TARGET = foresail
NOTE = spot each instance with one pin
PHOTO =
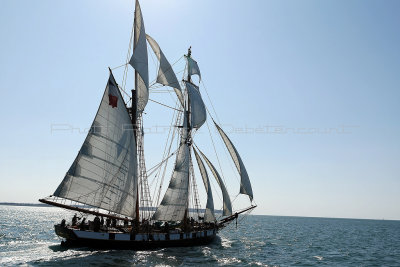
(245, 185)
(193, 68)
(209, 212)
(166, 75)
(139, 61)
(104, 174)
(198, 110)
(175, 201)
(227, 207)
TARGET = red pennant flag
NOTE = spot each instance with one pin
(112, 100)
(112, 93)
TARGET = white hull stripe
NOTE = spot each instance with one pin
(141, 237)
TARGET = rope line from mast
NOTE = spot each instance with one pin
(165, 105)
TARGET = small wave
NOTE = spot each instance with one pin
(225, 242)
(320, 258)
(228, 261)
(258, 263)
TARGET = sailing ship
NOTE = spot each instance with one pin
(108, 178)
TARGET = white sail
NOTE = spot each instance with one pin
(245, 185)
(209, 212)
(193, 68)
(198, 112)
(104, 174)
(166, 75)
(139, 61)
(227, 207)
(175, 201)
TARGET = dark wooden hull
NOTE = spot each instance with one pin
(79, 238)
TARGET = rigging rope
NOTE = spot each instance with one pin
(175, 118)
(158, 165)
(165, 105)
(125, 74)
(225, 148)
(119, 66)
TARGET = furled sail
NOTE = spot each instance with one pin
(175, 201)
(245, 185)
(139, 61)
(193, 68)
(198, 111)
(209, 212)
(166, 75)
(227, 207)
(104, 174)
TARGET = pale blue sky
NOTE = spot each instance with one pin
(319, 79)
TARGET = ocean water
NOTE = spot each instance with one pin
(27, 238)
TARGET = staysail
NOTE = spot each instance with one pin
(139, 61)
(104, 174)
(175, 201)
(227, 206)
(245, 185)
(209, 212)
(166, 75)
(198, 111)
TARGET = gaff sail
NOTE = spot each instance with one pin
(104, 173)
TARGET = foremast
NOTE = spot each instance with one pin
(175, 203)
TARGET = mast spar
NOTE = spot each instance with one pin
(139, 100)
(134, 118)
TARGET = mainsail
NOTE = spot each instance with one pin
(198, 111)
(104, 174)
(227, 206)
(245, 185)
(175, 201)
(166, 75)
(139, 61)
(209, 212)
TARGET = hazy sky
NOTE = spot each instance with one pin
(309, 91)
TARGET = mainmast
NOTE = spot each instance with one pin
(189, 129)
(134, 118)
(139, 101)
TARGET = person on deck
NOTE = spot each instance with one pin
(74, 220)
(166, 227)
(96, 224)
(82, 225)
